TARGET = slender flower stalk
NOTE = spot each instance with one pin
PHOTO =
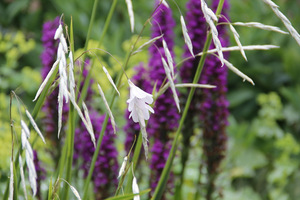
(165, 119)
(167, 169)
(211, 105)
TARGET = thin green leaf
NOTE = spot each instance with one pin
(128, 196)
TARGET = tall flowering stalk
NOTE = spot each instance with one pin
(211, 104)
(106, 168)
(214, 105)
(165, 119)
(197, 30)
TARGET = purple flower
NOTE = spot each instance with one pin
(40, 171)
(106, 167)
(165, 118)
(214, 105)
(208, 105)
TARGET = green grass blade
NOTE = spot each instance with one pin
(128, 196)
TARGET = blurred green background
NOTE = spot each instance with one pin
(263, 148)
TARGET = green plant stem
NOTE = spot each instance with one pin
(34, 114)
(88, 78)
(167, 169)
(87, 40)
(68, 152)
(95, 155)
(135, 158)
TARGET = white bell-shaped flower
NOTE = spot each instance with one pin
(139, 110)
(138, 104)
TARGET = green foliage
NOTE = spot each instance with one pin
(262, 157)
(13, 49)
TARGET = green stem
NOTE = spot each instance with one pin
(166, 172)
(88, 78)
(135, 158)
(34, 114)
(68, 152)
(118, 83)
(87, 41)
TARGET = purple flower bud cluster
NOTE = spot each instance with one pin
(40, 171)
(211, 104)
(106, 167)
(165, 119)
(214, 105)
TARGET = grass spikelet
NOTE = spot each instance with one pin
(167, 70)
(285, 20)
(130, 13)
(110, 79)
(209, 17)
(88, 119)
(238, 72)
(237, 40)
(112, 119)
(169, 57)
(11, 181)
(46, 80)
(147, 43)
(260, 26)
(35, 125)
(23, 182)
(186, 36)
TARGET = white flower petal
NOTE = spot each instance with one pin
(137, 92)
